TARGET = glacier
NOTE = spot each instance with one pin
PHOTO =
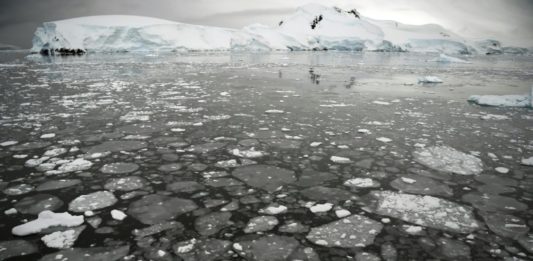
(311, 27)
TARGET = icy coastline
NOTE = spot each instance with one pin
(311, 27)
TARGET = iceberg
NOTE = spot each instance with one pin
(311, 27)
(120, 33)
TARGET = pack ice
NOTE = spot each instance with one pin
(311, 27)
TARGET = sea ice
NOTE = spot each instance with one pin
(92, 201)
(63, 239)
(430, 79)
(340, 160)
(502, 100)
(447, 159)
(423, 210)
(45, 220)
(349, 232)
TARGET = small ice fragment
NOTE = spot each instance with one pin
(318, 208)
(528, 161)
(274, 111)
(384, 139)
(340, 160)
(118, 215)
(48, 136)
(8, 143)
(502, 170)
(315, 144)
(11, 211)
(342, 213)
(273, 210)
(408, 180)
(429, 79)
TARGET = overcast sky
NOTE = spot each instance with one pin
(510, 21)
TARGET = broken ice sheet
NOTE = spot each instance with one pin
(423, 210)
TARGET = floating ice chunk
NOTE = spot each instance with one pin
(319, 208)
(340, 213)
(448, 159)
(502, 100)
(364, 131)
(118, 215)
(11, 211)
(8, 143)
(381, 102)
(494, 117)
(261, 224)
(55, 152)
(340, 160)
(48, 136)
(527, 161)
(315, 144)
(413, 230)
(251, 153)
(92, 201)
(76, 165)
(502, 170)
(273, 210)
(384, 139)
(349, 232)
(443, 58)
(274, 111)
(62, 239)
(361, 183)
(45, 220)
(430, 79)
(408, 180)
(31, 163)
(426, 211)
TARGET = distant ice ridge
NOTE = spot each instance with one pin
(311, 27)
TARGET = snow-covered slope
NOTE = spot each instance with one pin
(116, 33)
(311, 27)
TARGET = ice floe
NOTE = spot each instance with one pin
(45, 220)
(430, 79)
(352, 231)
(92, 201)
(502, 100)
(447, 159)
(426, 211)
(63, 239)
